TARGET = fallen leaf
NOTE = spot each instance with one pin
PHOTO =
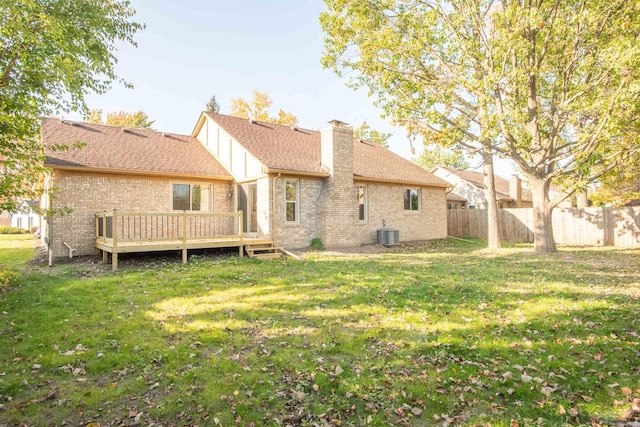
(416, 411)
(338, 370)
(587, 399)
(526, 378)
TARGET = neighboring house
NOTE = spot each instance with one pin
(468, 190)
(26, 217)
(291, 184)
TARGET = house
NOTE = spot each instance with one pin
(26, 216)
(468, 190)
(285, 184)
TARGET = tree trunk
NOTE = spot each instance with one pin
(544, 242)
(582, 201)
(493, 235)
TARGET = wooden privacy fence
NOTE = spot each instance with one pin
(571, 226)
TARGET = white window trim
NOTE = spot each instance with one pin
(366, 203)
(297, 201)
(211, 193)
(418, 189)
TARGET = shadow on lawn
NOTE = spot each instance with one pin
(477, 336)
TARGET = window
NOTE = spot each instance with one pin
(361, 197)
(191, 197)
(411, 199)
(291, 190)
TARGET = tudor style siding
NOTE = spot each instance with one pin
(87, 194)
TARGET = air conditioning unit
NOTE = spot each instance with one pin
(388, 237)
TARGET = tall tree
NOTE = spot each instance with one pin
(52, 54)
(419, 61)
(439, 156)
(135, 120)
(552, 85)
(258, 109)
(213, 105)
(367, 133)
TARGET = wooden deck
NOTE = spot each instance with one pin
(127, 232)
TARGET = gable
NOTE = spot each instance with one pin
(289, 149)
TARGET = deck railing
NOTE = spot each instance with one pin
(132, 227)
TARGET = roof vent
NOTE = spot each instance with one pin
(75, 124)
(294, 127)
(127, 130)
(63, 122)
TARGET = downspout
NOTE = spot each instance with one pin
(274, 211)
(49, 220)
(71, 250)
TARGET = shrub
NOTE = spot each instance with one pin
(6, 229)
(7, 278)
(316, 244)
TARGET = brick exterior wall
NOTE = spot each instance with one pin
(337, 210)
(299, 234)
(386, 202)
(328, 207)
(87, 194)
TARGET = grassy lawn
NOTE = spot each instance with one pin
(445, 333)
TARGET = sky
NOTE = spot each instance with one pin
(193, 49)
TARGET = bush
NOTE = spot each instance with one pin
(6, 229)
(7, 278)
(316, 244)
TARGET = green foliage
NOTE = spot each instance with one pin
(316, 244)
(366, 133)
(7, 278)
(213, 105)
(51, 55)
(6, 229)
(400, 338)
(258, 109)
(438, 156)
(554, 86)
(135, 120)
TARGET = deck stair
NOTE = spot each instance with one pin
(263, 250)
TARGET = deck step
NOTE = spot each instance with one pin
(267, 255)
(263, 250)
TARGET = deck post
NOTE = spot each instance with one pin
(114, 232)
(240, 224)
(241, 251)
(184, 237)
(105, 256)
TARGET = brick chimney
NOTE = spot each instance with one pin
(515, 190)
(338, 210)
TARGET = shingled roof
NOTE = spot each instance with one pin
(111, 148)
(477, 179)
(288, 148)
